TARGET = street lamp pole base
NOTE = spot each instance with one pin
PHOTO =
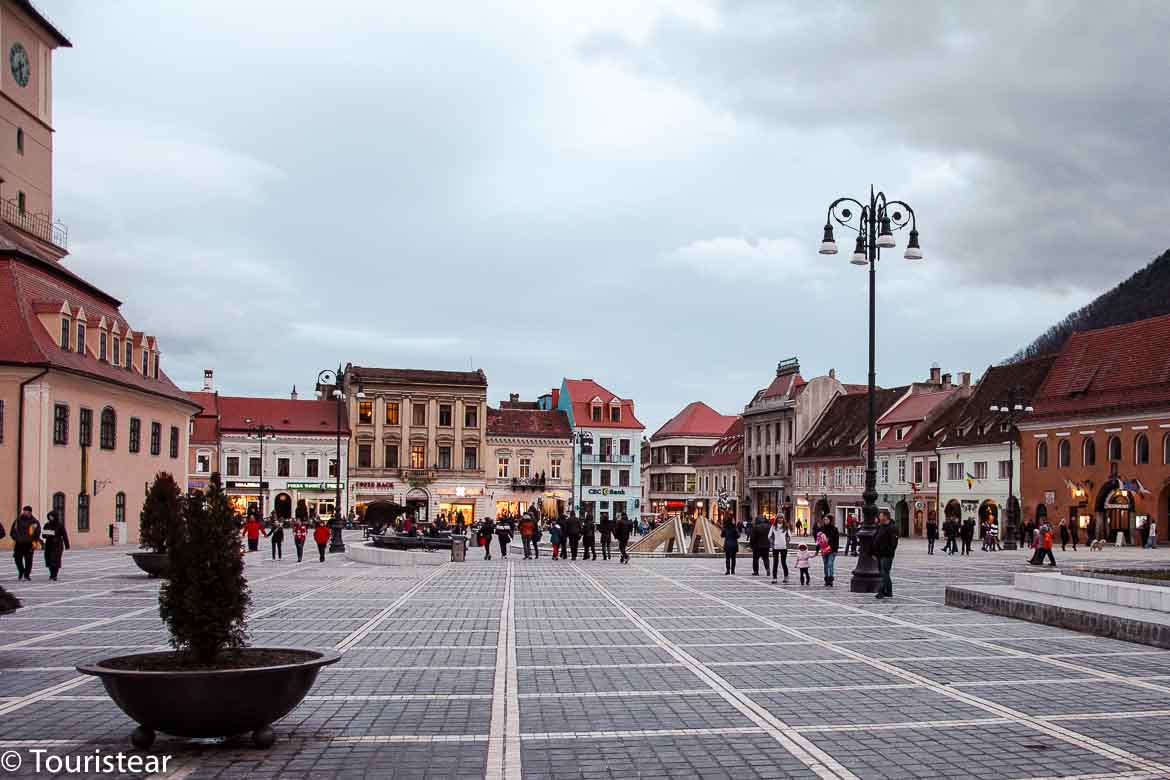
(867, 578)
(336, 544)
(1009, 544)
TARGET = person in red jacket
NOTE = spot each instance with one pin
(300, 531)
(321, 537)
(253, 528)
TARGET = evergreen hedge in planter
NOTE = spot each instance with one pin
(160, 511)
(211, 684)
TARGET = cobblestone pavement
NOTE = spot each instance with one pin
(663, 668)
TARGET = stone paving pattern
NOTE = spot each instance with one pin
(663, 668)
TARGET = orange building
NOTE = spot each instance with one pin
(87, 415)
(1096, 449)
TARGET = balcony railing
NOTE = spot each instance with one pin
(529, 483)
(606, 457)
(35, 224)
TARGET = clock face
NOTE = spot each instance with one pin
(18, 61)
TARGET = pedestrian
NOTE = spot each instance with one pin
(487, 529)
(300, 531)
(885, 543)
(536, 536)
(778, 538)
(275, 535)
(622, 532)
(951, 532)
(758, 542)
(1151, 535)
(730, 546)
(527, 527)
(803, 556)
(588, 537)
(572, 532)
(828, 551)
(1063, 535)
(504, 534)
(555, 537)
(606, 528)
(931, 534)
(851, 535)
(56, 541)
(26, 535)
(993, 536)
(321, 537)
(966, 534)
(252, 530)
(1045, 545)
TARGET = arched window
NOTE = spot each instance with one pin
(59, 506)
(1063, 454)
(1042, 455)
(1114, 448)
(120, 507)
(1141, 449)
(109, 429)
(1089, 452)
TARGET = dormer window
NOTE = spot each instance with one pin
(900, 433)
(81, 337)
(66, 329)
(117, 361)
(129, 354)
(156, 357)
(145, 363)
(102, 344)
(615, 412)
(596, 412)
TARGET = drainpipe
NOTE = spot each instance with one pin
(937, 485)
(20, 439)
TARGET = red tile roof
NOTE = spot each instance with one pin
(840, 430)
(728, 451)
(311, 416)
(696, 419)
(27, 282)
(205, 424)
(915, 407)
(979, 425)
(552, 424)
(1121, 368)
(784, 385)
(582, 392)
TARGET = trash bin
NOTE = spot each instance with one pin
(458, 548)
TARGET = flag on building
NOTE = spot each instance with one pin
(970, 481)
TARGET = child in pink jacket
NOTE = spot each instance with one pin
(803, 556)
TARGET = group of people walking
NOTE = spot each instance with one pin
(28, 535)
(253, 529)
(567, 535)
(773, 538)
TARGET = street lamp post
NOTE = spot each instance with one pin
(261, 432)
(579, 439)
(874, 223)
(329, 377)
(1010, 412)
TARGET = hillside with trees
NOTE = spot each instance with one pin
(1143, 295)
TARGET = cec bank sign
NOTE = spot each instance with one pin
(605, 491)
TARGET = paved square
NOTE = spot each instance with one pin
(663, 668)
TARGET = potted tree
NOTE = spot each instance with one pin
(212, 684)
(159, 510)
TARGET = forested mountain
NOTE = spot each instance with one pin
(1145, 294)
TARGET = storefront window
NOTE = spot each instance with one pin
(366, 412)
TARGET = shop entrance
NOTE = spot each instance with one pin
(453, 511)
(988, 513)
(418, 505)
(282, 506)
(902, 513)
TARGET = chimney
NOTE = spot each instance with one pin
(832, 373)
(946, 381)
(208, 382)
(965, 378)
(935, 374)
(293, 394)
(556, 397)
(514, 397)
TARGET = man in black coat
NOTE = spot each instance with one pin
(487, 530)
(606, 528)
(573, 533)
(56, 540)
(885, 543)
(25, 532)
(967, 533)
(589, 537)
(622, 531)
(759, 544)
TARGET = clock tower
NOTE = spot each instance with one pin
(27, 41)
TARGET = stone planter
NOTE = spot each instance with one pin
(153, 563)
(212, 702)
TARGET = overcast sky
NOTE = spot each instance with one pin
(622, 191)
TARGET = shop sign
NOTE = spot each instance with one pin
(374, 486)
(246, 485)
(312, 485)
(606, 491)
(1050, 497)
(969, 504)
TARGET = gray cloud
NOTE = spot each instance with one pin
(604, 189)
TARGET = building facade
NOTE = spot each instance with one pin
(676, 449)
(979, 454)
(297, 463)
(719, 476)
(87, 415)
(775, 421)
(203, 435)
(419, 440)
(530, 459)
(1096, 449)
(607, 463)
